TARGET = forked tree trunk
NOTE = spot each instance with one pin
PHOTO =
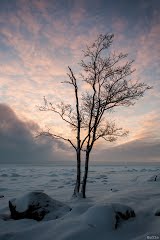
(78, 179)
(83, 189)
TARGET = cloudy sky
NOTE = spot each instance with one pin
(39, 39)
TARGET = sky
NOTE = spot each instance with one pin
(39, 39)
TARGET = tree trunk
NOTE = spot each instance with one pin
(78, 179)
(83, 189)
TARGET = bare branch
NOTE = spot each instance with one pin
(54, 136)
(62, 109)
(110, 132)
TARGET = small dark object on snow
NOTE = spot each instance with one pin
(157, 213)
(1, 196)
(155, 178)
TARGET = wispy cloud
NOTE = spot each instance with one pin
(149, 126)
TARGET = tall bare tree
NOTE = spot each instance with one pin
(109, 86)
(72, 117)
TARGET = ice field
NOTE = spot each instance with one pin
(108, 187)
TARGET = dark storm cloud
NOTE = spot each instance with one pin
(18, 144)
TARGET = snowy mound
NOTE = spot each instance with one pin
(122, 212)
(110, 215)
(36, 205)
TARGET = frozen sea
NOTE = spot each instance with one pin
(57, 179)
(133, 185)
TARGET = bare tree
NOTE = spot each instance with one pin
(106, 74)
(72, 117)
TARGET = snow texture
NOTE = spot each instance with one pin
(128, 196)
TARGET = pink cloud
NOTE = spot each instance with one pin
(77, 15)
(149, 47)
(119, 25)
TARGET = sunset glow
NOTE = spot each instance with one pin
(40, 38)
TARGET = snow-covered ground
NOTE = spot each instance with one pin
(109, 187)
